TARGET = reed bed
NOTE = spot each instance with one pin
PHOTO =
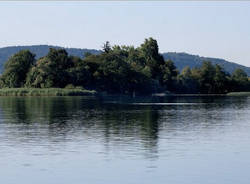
(45, 92)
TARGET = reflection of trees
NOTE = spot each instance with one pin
(117, 125)
(134, 125)
(56, 118)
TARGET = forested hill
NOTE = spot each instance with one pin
(180, 59)
(183, 59)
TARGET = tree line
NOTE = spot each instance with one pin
(120, 70)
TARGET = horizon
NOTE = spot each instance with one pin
(206, 29)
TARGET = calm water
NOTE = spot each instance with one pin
(86, 140)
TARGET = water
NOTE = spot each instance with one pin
(78, 140)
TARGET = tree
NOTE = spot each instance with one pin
(119, 69)
(206, 79)
(150, 52)
(240, 75)
(87, 54)
(79, 73)
(135, 58)
(16, 69)
(113, 74)
(169, 75)
(187, 82)
(220, 80)
(51, 70)
(240, 80)
(106, 47)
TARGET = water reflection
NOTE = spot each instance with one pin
(62, 119)
(116, 122)
(158, 138)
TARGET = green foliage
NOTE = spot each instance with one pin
(187, 81)
(169, 75)
(239, 75)
(181, 60)
(207, 72)
(16, 69)
(70, 86)
(150, 53)
(51, 70)
(221, 80)
(79, 73)
(119, 69)
(240, 81)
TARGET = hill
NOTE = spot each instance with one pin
(183, 59)
(180, 59)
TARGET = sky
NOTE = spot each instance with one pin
(212, 29)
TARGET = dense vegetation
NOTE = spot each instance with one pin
(39, 51)
(181, 60)
(119, 69)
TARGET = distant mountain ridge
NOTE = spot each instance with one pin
(180, 60)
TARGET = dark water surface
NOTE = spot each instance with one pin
(88, 140)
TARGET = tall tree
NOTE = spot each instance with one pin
(207, 72)
(153, 59)
(169, 75)
(16, 69)
(187, 82)
(106, 47)
(51, 70)
(220, 80)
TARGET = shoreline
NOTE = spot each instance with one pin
(46, 92)
(84, 92)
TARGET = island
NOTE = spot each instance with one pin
(123, 70)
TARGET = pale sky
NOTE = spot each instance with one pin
(213, 29)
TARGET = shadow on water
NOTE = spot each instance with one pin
(113, 120)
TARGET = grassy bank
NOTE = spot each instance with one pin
(84, 92)
(44, 92)
(238, 94)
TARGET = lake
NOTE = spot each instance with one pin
(112, 140)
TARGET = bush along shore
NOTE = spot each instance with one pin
(123, 70)
(45, 92)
